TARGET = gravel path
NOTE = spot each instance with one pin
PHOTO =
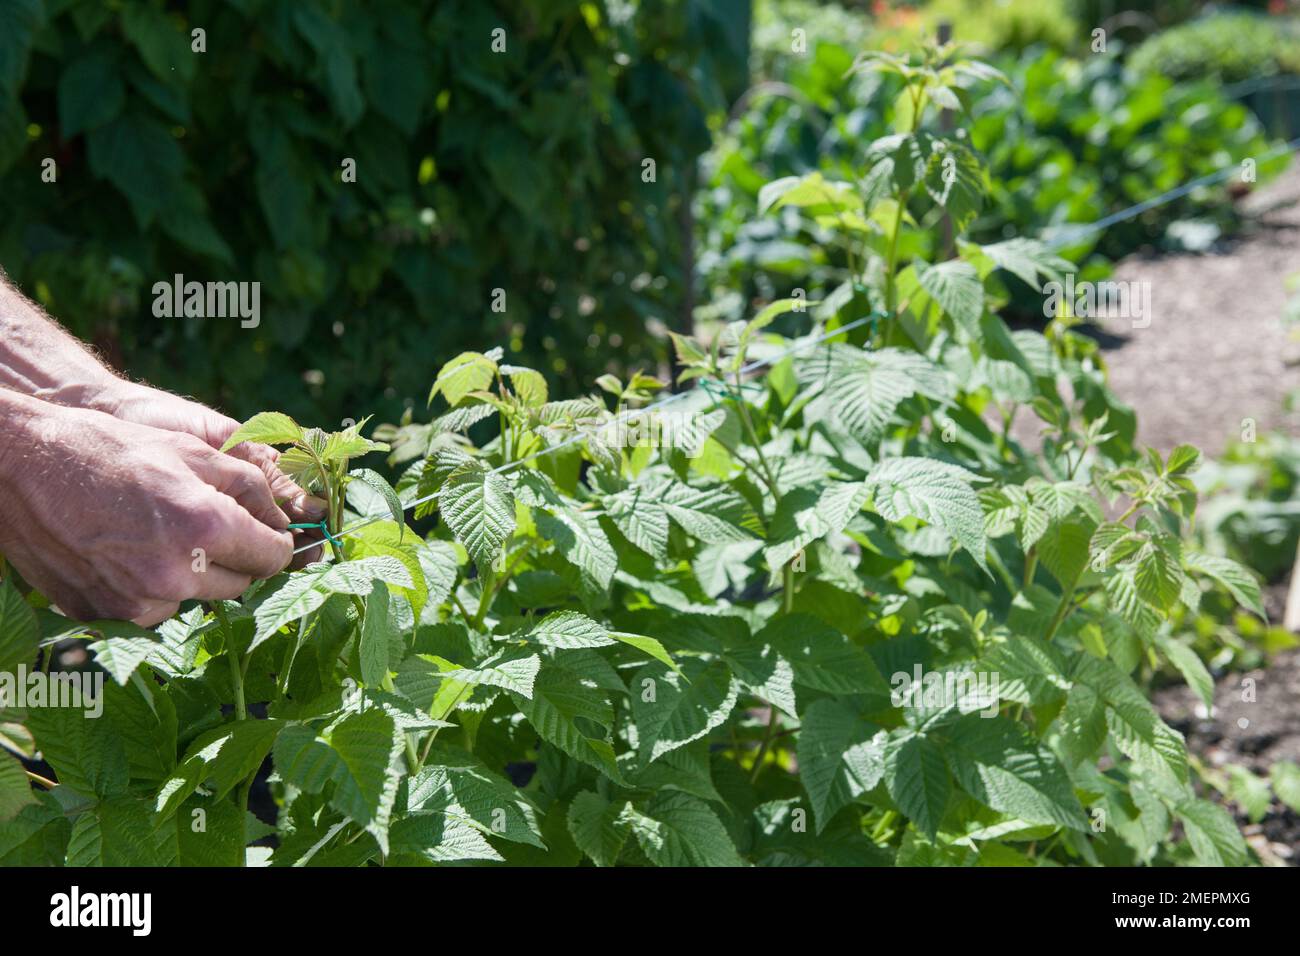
(1215, 351)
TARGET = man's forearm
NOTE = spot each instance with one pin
(40, 359)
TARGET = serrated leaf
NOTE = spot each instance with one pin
(359, 754)
(598, 826)
(579, 537)
(998, 762)
(676, 708)
(958, 290)
(677, 829)
(307, 590)
(15, 791)
(374, 481)
(267, 428)
(462, 788)
(479, 508)
(19, 635)
(938, 493)
(218, 760)
(1213, 834)
(559, 699)
(841, 757)
(804, 515)
(917, 779)
(1237, 578)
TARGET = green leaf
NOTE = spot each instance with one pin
(579, 537)
(372, 646)
(1134, 724)
(1189, 664)
(441, 839)
(956, 287)
(219, 760)
(1249, 792)
(712, 513)
(1026, 259)
(360, 754)
(811, 193)
(568, 629)
(462, 788)
(841, 757)
(19, 635)
(124, 648)
(863, 389)
(164, 48)
(141, 158)
(917, 779)
(91, 94)
(934, 491)
(120, 832)
(805, 514)
(641, 520)
(1237, 578)
(15, 791)
(599, 827)
(305, 591)
(998, 762)
(86, 753)
(671, 709)
(1213, 834)
(267, 428)
(1285, 776)
(508, 671)
(467, 372)
(677, 829)
(822, 658)
(479, 508)
(375, 481)
(559, 701)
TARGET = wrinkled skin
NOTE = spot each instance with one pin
(125, 515)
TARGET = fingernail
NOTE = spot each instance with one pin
(316, 507)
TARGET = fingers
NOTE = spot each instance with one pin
(156, 613)
(244, 482)
(239, 541)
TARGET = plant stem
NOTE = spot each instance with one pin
(762, 747)
(1062, 610)
(752, 434)
(236, 663)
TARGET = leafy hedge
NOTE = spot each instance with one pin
(689, 636)
(476, 170)
(1073, 141)
(1229, 47)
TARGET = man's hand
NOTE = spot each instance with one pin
(158, 409)
(109, 518)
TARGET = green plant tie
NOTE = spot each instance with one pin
(324, 529)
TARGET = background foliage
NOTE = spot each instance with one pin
(475, 171)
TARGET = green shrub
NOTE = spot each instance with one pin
(1228, 47)
(520, 171)
(1073, 141)
(694, 644)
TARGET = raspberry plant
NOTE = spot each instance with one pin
(687, 637)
